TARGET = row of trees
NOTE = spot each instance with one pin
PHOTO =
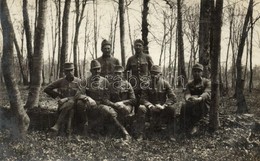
(203, 31)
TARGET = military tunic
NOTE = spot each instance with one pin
(108, 64)
(139, 66)
(190, 113)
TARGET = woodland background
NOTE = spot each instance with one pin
(39, 36)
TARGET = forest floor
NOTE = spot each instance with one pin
(238, 138)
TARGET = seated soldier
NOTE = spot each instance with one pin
(197, 100)
(158, 99)
(65, 88)
(97, 89)
(122, 97)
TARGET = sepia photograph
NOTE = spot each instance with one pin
(115, 80)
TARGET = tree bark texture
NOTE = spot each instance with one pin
(65, 35)
(28, 34)
(34, 91)
(215, 55)
(145, 24)
(122, 29)
(241, 102)
(204, 36)
(181, 62)
(20, 117)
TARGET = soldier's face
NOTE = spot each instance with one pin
(119, 74)
(106, 49)
(197, 73)
(69, 73)
(155, 75)
(96, 71)
(138, 47)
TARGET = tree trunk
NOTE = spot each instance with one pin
(65, 35)
(204, 36)
(20, 59)
(181, 62)
(241, 102)
(164, 37)
(251, 53)
(79, 17)
(34, 91)
(21, 119)
(129, 29)
(145, 24)
(122, 29)
(28, 34)
(95, 27)
(215, 55)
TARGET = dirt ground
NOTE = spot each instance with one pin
(238, 138)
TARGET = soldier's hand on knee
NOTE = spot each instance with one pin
(63, 100)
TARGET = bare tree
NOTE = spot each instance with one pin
(79, 18)
(121, 9)
(204, 36)
(145, 24)
(20, 117)
(28, 34)
(215, 55)
(181, 62)
(65, 35)
(241, 102)
(34, 91)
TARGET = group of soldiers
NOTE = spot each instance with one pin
(138, 93)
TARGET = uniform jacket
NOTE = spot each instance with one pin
(121, 90)
(139, 65)
(201, 88)
(63, 88)
(107, 65)
(97, 88)
(159, 92)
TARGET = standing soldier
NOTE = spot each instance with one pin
(197, 100)
(97, 89)
(137, 72)
(107, 61)
(158, 99)
(66, 89)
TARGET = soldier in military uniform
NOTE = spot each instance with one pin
(158, 99)
(97, 88)
(197, 100)
(107, 61)
(65, 89)
(138, 74)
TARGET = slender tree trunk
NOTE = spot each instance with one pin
(65, 35)
(95, 26)
(122, 29)
(164, 37)
(170, 48)
(251, 53)
(20, 59)
(59, 38)
(216, 48)
(204, 36)
(241, 102)
(34, 91)
(20, 117)
(181, 61)
(114, 35)
(229, 43)
(79, 17)
(129, 29)
(28, 34)
(145, 24)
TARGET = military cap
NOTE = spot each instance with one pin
(139, 41)
(118, 68)
(68, 66)
(95, 64)
(156, 69)
(105, 42)
(198, 66)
